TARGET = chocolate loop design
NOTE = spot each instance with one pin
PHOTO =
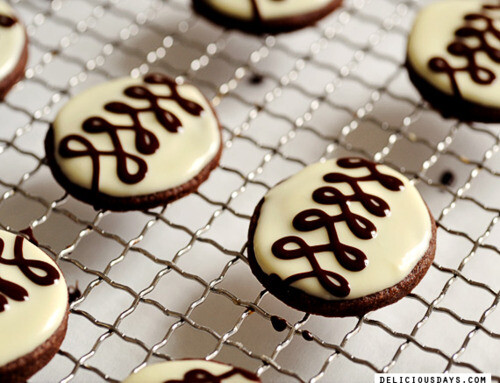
(332, 282)
(189, 106)
(349, 257)
(7, 21)
(145, 141)
(121, 159)
(360, 226)
(387, 181)
(479, 74)
(201, 376)
(49, 274)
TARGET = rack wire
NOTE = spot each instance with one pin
(174, 282)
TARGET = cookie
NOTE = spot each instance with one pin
(134, 143)
(265, 16)
(453, 58)
(192, 371)
(33, 308)
(341, 238)
(14, 52)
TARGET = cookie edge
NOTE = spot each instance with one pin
(26, 366)
(272, 26)
(451, 106)
(302, 301)
(17, 74)
(140, 202)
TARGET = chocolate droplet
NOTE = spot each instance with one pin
(307, 336)
(278, 323)
(74, 293)
(447, 178)
(256, 79)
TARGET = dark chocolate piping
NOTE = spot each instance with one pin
(14, 291)
(480, 75)
(256, 11)
(7, 21)
(145, 141)
(202, 376)
(351, 258)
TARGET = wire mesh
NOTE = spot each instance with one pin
(174, 282)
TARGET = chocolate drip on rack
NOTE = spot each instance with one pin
(202, 376)
(7, 21)
(479, 74)
(146, 141)
(349, 257)
(13, 290)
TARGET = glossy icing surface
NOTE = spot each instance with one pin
(267, 9)
(455, 46)
(33, 297)
(12, 41)
(340, 232)
(185, 371)
(133, 137)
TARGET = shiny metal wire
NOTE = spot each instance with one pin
(359, 50)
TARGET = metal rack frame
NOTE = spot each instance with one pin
(395, 23)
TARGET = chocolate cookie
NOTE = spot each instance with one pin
(453, 58)
(192, 371)
(341, 238)
(265, 16)
(14, 49)
(33, 308)
(134, 143)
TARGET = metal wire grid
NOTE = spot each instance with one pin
(48, 210)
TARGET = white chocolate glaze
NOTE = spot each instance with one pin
(269, 9)
(176, 370)
(12, 42)
(25, 325)
(434, 30)
(402, 237)
(179, 157)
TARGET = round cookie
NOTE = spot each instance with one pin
(265, 16)
(453, 58)
(341, 238)
(33, 308)
(134, 143)
(14, 52)
(192, 371)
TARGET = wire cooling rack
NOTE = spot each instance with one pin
(173, 282)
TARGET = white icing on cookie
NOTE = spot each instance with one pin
(12, 42)
(268, 9)
(178, 157)
(401, 239)
(433, 32)
(177, 370)
(27, 324)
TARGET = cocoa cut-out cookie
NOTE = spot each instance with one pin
(341, 238)
(453, 58)
(13, 49)
(33, 308)
(265, 16)
(192, 371)
(134, 143)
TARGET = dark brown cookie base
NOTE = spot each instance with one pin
(451, 106)
(141, 202)
(21, 369)
(299, 300)
(17, 74)
(272, 26)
